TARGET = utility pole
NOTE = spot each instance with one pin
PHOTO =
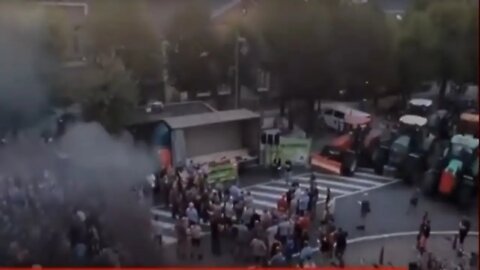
(238, 42)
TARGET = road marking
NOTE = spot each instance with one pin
(366, 190)
(265, 203)
(160, 212)
(306, 179)
(164, 225)
(371, 175)
(168, 240)
(351, 179)
(275, 196)
(393, 235)
(334, 190)
(273, 188)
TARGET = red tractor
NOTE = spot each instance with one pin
(341, 156)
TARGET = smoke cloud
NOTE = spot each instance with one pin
(96, 173)
(23, 61)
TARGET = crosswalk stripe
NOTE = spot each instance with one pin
(333, 183)
(270, 187)
(346, 178)
(160, 212)
(167, 240)
(274, 196)
(264, 203)
(375, 176)
(164, 225)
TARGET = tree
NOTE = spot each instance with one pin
(105, 90)
(297, 37)
(452, 25)
(123, 29)
(192, 48)
(363, 51)
(415, 46)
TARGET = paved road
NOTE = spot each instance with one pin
(399, 251)
(389, 212)
(266, 194)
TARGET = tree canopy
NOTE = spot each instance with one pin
(191, 50)
(123, 29)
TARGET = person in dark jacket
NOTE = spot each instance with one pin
(340, 245)
(215, 237)
(463, 230)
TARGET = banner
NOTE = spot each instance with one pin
(297, 150)
(221, 172)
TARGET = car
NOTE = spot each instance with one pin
(340, 117)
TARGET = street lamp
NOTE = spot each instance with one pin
(240, 47)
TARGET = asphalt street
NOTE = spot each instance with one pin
(389, 212)
(389, 204)
(266, 193)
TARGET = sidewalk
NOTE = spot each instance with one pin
(399, 251)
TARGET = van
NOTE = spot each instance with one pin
(342, 118)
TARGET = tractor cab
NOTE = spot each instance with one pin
(412, 129)
(419, 106)
(406, 150)
(468, 124)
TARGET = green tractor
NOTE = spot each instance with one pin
(406, 153)
(455, 173)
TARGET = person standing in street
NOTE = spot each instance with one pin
(259, 251)
(215, 236)
(340, 246)
(288, 172)
(192, 214)
(312, 201)
(195, 236)
(413, 200)
(463, 230)
(423, 236)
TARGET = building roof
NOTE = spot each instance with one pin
(210, 118)
(169, 110)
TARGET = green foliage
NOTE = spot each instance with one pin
(122, 27)
(192, 48)
(364, 49)
(296, 35)
(106, 91)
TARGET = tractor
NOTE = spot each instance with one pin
(439, 121)
(342, 155)
(455, 173)
(405, 154)
(468, 124)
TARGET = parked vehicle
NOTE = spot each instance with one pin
(344, 153)
(341, 118)
(455, 173)
(406, 154)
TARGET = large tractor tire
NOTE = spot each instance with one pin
(465, 196)
(429, 185)
(349, 163)
(412, 167)
(379, 159)
(434, 159)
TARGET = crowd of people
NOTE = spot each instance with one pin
(277, 237)
(38, 227)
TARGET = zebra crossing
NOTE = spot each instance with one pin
(266, 195)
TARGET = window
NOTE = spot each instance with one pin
(328, 112)
(338, 114)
